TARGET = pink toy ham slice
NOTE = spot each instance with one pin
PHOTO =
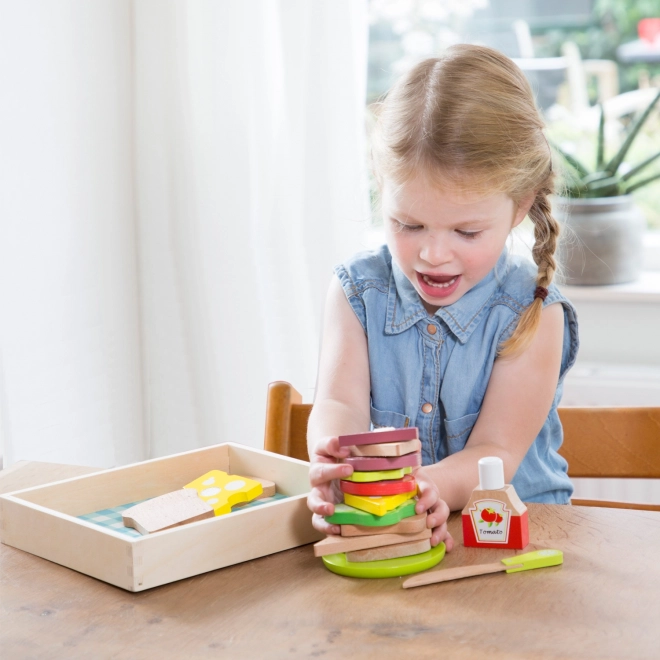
(365, 464)
(378, 437)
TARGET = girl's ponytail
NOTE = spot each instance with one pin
(546, 233)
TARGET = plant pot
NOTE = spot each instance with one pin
(601, 239)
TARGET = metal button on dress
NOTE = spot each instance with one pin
(431, 328)
(427, 408)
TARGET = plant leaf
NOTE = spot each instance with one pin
(573, 162)
(609, 187)
(640, 167)
(643, 182)
(600, 149)
(613, 165)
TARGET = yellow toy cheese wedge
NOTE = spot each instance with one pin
(377, 505)
(222, 491)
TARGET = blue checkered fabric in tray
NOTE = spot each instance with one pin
(111, 518)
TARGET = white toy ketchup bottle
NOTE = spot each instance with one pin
(495, 517)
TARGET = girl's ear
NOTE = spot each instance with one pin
(523, 209)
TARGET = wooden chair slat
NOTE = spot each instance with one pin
(286, 421)
(611, 442)
(598, 442)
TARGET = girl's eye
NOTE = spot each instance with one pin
(468, 234)
(400, 226)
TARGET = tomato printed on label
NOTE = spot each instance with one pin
(488, 515)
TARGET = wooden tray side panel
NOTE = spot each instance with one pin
(290, 475)
(50, 535)
(211, 544)
(131, 483)
(39, 520)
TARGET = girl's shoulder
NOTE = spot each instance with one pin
(366, 269)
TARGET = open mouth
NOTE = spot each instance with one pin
(438, 286)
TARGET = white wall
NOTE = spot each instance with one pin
(69, 339)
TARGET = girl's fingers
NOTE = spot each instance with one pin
(428, 497)
(329, 447)
(322, 473)
(438, 514)
(318, 502)
(442, 534)
(322, 526)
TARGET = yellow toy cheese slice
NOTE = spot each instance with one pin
(222, 491)
(377, 505)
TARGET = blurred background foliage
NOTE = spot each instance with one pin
(405, 31)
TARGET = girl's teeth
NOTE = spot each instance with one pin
(437, 284)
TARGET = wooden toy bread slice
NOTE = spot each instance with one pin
(390, 551)
(388, 448)
(166, 511)
(410, 525)
(333, 544)
(379, 436)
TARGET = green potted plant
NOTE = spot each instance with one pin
(603, 243)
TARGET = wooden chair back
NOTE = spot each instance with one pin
(286, 421)
(619, 443)
(616, 443)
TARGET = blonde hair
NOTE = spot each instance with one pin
(468, 120)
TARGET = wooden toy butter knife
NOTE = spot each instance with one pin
(526, 562)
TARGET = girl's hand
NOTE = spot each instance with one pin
(438, 511)
(323, 475)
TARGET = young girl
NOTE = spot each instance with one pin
(441, 328)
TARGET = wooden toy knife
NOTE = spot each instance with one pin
(526, 562)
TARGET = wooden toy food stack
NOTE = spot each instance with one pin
(377, 519)
(494, 517)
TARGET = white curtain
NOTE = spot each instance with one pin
(176, 181)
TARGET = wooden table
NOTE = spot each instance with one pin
(603, 602)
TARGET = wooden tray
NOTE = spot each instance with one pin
(43, 520)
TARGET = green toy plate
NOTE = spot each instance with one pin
(385, 568)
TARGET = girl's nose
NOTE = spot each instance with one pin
(435, 252)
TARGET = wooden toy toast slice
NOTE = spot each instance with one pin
(410, 525)
(379, 436)
(166, 511)
(348, 515)
(379, 506)
(388, 448)
(333, 544)
(390, 551)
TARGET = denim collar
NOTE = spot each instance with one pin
(404, 307)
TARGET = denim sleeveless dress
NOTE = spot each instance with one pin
(445, 360)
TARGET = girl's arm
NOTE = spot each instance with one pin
(517, 402)
(341, 407)
(341, 403)
(343, 388)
